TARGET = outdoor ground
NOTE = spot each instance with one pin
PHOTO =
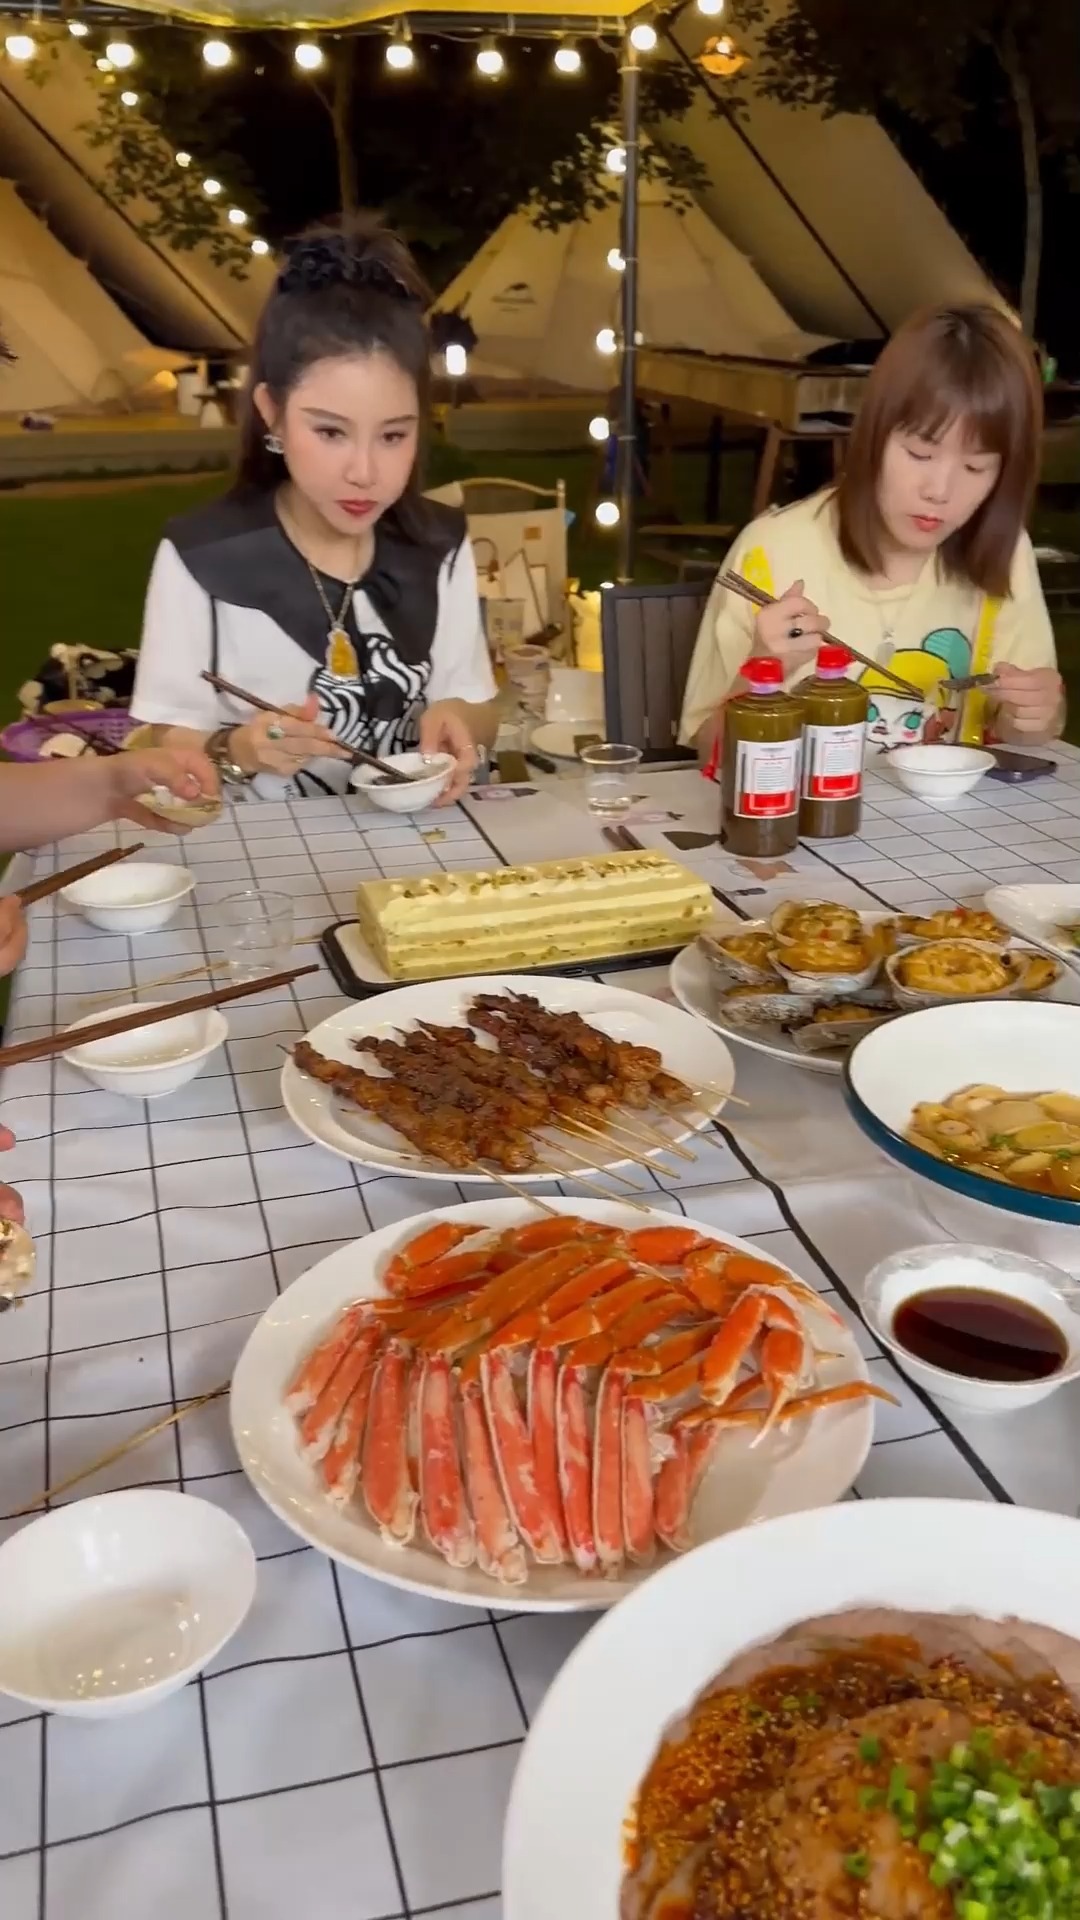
(74, 559)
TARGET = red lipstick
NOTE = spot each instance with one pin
(927, 522)
(357, 509)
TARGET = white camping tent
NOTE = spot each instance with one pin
(833, 218)
(183, 298)
(538, 299)
(73, 347)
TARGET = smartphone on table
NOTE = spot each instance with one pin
(1015, 768)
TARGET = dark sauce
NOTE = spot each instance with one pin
(984, 1336)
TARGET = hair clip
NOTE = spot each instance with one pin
(328, 260)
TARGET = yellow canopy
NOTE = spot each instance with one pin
(334, 14)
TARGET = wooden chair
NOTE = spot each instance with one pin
(648, 636)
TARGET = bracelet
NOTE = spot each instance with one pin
(218, 753)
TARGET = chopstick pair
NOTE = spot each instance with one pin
(41, 889)
(359, 757)
(757, 596)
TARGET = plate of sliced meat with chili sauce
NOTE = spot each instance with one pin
(532, 1406)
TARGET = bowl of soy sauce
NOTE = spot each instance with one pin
(980, 1327)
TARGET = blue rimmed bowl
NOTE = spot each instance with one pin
(1022, 1046)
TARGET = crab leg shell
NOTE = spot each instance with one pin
(513, 1452)
(639, 1535)
(319, 1424)
(607, 1473)
(444, 1509)
(341, 1466)
(575, 1450)
(316, 1371)
(540, 1402)
(384, 1472)
(498, 1549)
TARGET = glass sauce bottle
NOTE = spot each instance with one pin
(834, 742)
(759, 786)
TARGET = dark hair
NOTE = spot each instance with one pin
(950, 363)
(343, 290)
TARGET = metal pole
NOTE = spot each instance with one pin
(626, 463)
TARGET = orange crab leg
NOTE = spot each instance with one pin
(540, 1412)
(318, 1426)
(425, 1248)
(538, 1236)
(678, 1481)
(654, 1312)
(528, 1325)
(639, 1535)
(496, 1303)
(575, 1447)
(751, 1313)
(738, 1397)
(596, 1316)
(671, 1385)
(706, 1418)
(384, 1471)
(444, 1509)
(607, 1473)
(576, 1291)
(665, 1246)
(783, 1356)
(314, 1373)
(341, 1467)
(665, 1354)
(456, 1270)
(498, 1549)
(513, 1450)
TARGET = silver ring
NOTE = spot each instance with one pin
(275, 732)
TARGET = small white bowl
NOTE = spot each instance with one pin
(939, 774)
(152, 1061)
(135, 896)
(986, 1270)
(111, 1604)
(419, 793)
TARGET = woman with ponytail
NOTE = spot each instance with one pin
(323, 581)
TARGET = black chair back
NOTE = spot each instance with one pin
(648, 635)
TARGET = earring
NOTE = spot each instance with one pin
(273, 443)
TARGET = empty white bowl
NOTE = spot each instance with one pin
(939, 773)
(135, 896)
(113, 1603)
(953, 1264)
(152, 1061)
(436, 768)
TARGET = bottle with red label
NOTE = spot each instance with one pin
(759, 788)
(834, 743)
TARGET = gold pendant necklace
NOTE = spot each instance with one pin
(340, 658)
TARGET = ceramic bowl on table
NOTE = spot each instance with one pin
(151, 1061)
(956, 1268)
(629, 1682)
(939, 774)
(429, 775)
(1023, 1046)
(132, 897)
(111, 1604)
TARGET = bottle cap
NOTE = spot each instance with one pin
(833, 659)
(763, 673)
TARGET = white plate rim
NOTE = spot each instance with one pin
(557, 736)
(788, 1054)
(385, 1011)
(341, 1277)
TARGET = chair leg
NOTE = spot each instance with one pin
(766, 473)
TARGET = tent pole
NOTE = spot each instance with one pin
(626, 465)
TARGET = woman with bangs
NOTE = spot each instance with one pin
(919, 554)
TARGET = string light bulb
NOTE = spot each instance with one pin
(216, 53)
(399, 52)
(121, 53)
(308, 55)
(600, 428)
(607, 513)
(643, 37)
(182, 159)
(260, 246)
(103, 63)
(489, 61)
(211, 188)
(567, 58)
(78, 29)
(606, 341)
(615, 260)
(20, 46)
(129, 99)
(457, 360)
(615, 159)
(237, 217)
(712, 9)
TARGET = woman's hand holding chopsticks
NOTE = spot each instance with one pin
(791, 628)
(282, 742)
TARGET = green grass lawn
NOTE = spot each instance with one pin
(74, 568)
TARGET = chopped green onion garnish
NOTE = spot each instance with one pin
(869, 1749)
(858, 1865)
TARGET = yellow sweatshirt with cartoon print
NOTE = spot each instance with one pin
(936, 629)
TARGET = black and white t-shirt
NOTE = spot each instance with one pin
(229, 591)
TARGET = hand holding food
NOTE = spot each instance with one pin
(791, 628)
(11, 1206)
(284, 742)
(184, 773)
(12, 937)
(443, 729)
(1029, 699)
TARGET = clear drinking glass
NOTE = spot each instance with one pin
(609, 778)
(257, 932)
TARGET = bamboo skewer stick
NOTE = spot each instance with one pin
(41, 889)
(519, 1193)
(51, 1043)
(639, 1131)
(592, 1186)
(586, 1132)
(173, 979)
(117, 1453)
(594, 1166)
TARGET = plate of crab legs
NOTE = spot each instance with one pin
(503, 1407)
(508, 1080)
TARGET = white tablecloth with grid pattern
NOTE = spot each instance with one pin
(349, 1754)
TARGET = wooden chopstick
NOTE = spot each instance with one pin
(117, 1453)
(736, 583)
(359, 757)
(72, 1037)
(41, 889)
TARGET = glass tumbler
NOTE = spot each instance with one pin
(257, 933)
(609, 778)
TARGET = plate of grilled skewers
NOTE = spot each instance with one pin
(507, 1080)
(531, 1404)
